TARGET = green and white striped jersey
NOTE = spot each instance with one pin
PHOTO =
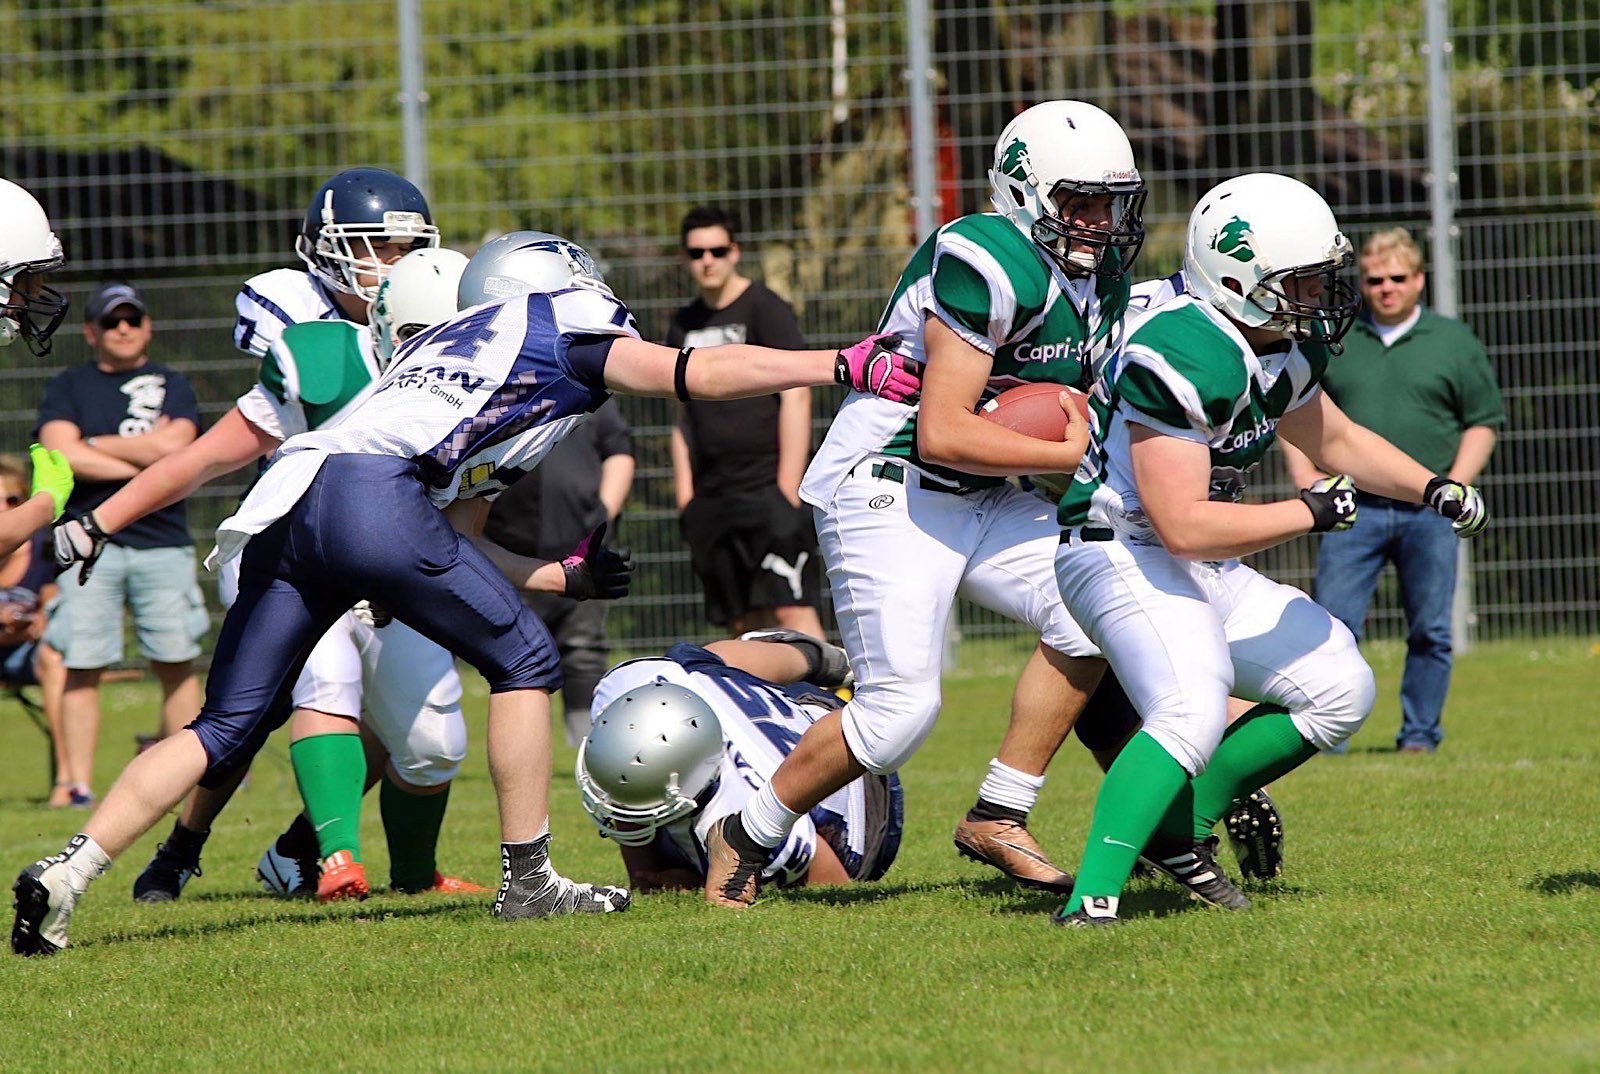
(312, 376)
(1186, 372)
(982, 276)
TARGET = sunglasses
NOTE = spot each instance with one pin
(695, 253)
(1374, 281)
(12, 499)
(117, 320)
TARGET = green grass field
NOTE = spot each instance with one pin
(1438, 914)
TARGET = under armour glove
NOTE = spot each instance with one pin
(1461, 504)
(1333, 503)
(53, 474)
(595, 572)
(79, 540)
(873, 365)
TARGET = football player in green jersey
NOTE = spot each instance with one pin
(1154, 526)
(913, 506)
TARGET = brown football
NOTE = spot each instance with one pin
(1034, 410)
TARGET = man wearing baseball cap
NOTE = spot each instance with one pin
(112, 417)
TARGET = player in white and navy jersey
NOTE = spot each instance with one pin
(318, 359)
(388, 505)
(683, 740)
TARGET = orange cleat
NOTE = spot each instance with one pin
(453, 885)
(342, 878)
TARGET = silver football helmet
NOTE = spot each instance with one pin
(523, 262)
(651, 753)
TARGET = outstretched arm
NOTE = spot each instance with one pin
(1337, 445)
(739, 370)
(226, 446)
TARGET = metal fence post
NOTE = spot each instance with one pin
(1442, 198)
(414, 131)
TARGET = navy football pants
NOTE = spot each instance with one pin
(363, 530)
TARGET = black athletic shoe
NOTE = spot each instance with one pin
(1097, 911)
(1255, 831)
(292, 865)
(733, 871)
(175, 862)
(1195, 869)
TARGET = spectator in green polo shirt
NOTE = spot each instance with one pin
(1422, 380)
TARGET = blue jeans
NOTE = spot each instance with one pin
(1423, 548)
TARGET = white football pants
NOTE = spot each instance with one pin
(1183, 635)
(897, 556)
(410, 686)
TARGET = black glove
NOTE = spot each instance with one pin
(595, 572)
(79, 540)
(1333, 503)
(1461, 504)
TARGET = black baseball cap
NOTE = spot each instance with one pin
(108, 296)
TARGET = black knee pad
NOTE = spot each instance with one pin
(1109, 718)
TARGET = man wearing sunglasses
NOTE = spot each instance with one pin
(737, 464)
(111, 418)
(1422, 381)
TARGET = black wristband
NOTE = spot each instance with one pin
(680, 375)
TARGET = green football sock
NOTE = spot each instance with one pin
(411, 824)
(1136, 793)
(331, 771)
(1260, 746)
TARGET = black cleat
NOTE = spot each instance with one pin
(1194, 867)
(175, 862)
(733, 865)
(1255, 831)
(1097, 912)
(292, 865)
(529, 887)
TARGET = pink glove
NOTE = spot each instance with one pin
(873, 365)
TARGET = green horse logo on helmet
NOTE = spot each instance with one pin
(1234, 241)
(1014, 161)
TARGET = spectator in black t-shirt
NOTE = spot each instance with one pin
(582, 482)
(111, 418)
(737, 465)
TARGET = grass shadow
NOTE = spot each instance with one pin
(1565, 883)
(354, 912)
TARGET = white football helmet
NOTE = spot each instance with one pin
(28, 248)
(1048, 162)
(417, 292)
(1249, 236)
(522, 262)
(649, 757)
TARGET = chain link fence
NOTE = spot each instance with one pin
(176, 144)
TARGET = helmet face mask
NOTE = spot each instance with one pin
(29, 310)
(1081, 247)
(350, 213)
(1266, 251)
(1064, 173)
(1324, 317)
(651, 758)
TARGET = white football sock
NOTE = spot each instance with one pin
(1005, 786)
(766, 819)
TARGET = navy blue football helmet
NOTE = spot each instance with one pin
(351, 210)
